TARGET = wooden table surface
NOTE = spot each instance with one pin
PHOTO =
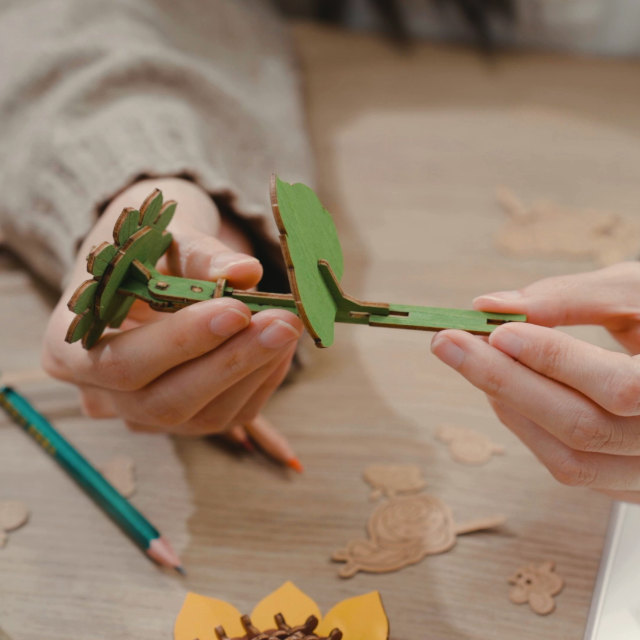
(410, 149)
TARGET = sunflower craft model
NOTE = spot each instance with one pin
(286, 614)
(125, 271)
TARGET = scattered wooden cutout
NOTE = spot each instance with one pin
(120, 472)
(536, 584)
(403, 531)
(548, 229)
(13, 515)
(467, 446)
(391, 479)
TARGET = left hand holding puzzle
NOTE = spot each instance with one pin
(126, 270)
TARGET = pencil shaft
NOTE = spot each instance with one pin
(133, 523)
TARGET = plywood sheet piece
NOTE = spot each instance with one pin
(13, 515)
(467, 446)
(392, 479)
(403, 531)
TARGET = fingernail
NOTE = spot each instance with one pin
(500, 296)
(277, 334)
(507, 341)
(222, 263)
(447, 351)
(228, 322)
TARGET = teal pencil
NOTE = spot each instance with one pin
(118, 508)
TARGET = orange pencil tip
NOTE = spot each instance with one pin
(295, 464)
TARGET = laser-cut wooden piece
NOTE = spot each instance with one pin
(120, 472)
(403, 531)
(548, 229)
(282, 631)
(467, 446)
(536, 584)
(13, 515)
(125, 271)
(392, 479)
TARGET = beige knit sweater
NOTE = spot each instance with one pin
(96, 93)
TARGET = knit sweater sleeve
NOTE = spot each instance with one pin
(96, 94)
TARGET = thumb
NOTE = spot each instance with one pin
(194, 254)
(609, 297)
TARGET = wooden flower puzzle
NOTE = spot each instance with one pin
(126, 270)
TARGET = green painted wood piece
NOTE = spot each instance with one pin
(125, 271)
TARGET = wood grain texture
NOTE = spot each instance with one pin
(423, 140)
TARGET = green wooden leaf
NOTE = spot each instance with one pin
(100, 257)
(310, 235)
(94, 333)
(150, 210)
(83, 297)
(126, 225)
(166, 215)
(122, 312)
(79, 326)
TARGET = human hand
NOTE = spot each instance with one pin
(575, 405)
(208, 368)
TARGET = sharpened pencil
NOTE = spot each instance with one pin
(118, 508)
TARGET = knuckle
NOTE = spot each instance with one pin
(494, 383)
(554, 357)
(590, 432)
(115, 371)
(162, 412)
(625, 393)
(573, 470)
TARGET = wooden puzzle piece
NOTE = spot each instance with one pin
(403, 531)
(536, 584)
(467, 446)
(391, 479)
(125, 271)
(548, 229)
(13, 515)
(120, 472)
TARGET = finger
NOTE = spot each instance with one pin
(178, 395)
(271, 441)
(220, 414)
(238, 435)
(607, 297)
(196, 255)
(565, 413)
(611, 379)
(574, 468)
(130, 360)
(96, 402)
(259, 399)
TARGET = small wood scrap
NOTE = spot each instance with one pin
(392, 479)
(403, 531)
(467, 446)
(120, 472)
(536, 584)
(548, 229)
(13, 515)
(282, 631)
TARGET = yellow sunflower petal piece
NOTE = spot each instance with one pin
(200, 615)
(360, 618)
(288, 600)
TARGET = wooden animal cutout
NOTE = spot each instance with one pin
(548, 229)
(467, 446)
(403, 531)
(125, 271)
(536, 584)
(13, 515)
(392, 479)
